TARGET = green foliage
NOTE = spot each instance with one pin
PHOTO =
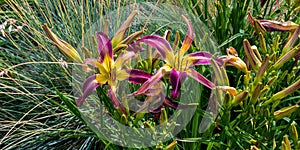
(38, 109)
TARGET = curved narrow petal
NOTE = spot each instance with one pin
(135, 47)
(104, 45)
(176, 79)
(138, 76)
(170, 103)
(157, 42)
(188, 40)
(150, 82)
(89, 85)
(203, 58)
(115, 101)
(200, 78)
(95, 63)
(121, 60)
(159, 105)
(119, 35)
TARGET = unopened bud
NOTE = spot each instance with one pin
(253, 147)
(286, 111)
(239, 98)
(256, 93)
(65, 48)
(294, 133)
(287, 142)
(171, 146)
(285, 92)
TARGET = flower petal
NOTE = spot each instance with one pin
(115, 101)
(200, 78)
(203, 58)
(170, 103)
(158, 43)
(121, 60)
(188, 40)
(176, 79)
(119, 36)
(150, 82)
(134, 47)
(104, 46)
(138, 76)
(89, 85)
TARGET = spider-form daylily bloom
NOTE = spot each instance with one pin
(178, 66)
(110, 71)
(156, 98)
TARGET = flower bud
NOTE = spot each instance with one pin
(253, 147)
(66, 49)
(286, 141)
(119, 36)
(285, 92)
(255, 63)
(256, 93)
(148, 125)
(261, 70)
(286, 111)
(171, 146)
(163, 116)
(123, 119)
(286, 57)
(262, 43)
(294, 133)
(239, 98)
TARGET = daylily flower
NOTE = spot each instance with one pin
(110, 71)
(156, 98)
(178, 65)
(232, 59)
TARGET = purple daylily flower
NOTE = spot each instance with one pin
(178, 65)
(110, 71)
